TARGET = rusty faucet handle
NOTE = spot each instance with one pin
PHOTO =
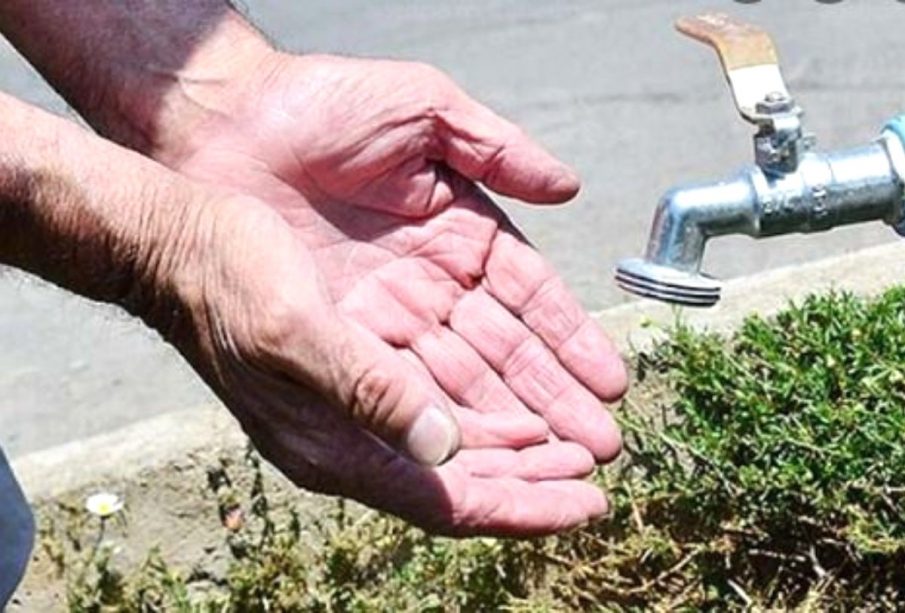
(749, 61)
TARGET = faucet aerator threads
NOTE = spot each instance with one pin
(648, 280)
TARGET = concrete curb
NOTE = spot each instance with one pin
(123, 453)
(120, 454)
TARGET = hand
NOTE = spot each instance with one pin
(370, 163)
(227, 281)
(257, 324)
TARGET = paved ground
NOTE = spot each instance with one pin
(606, 85)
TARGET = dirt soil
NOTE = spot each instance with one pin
(170, 508)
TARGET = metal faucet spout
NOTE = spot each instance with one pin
(687, 216)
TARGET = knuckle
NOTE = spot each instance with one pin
(435, 88)
(375, 392)
(428, 72)
(528, 355)
(277, 324)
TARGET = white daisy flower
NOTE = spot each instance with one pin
(103, 504)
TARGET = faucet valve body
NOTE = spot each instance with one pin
(790, 188)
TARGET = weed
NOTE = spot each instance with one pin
(772, 474)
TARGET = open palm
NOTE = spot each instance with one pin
(371, 164)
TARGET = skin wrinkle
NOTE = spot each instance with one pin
(437, 330)
(369, 144)
(256, 423)
(480, 378)
(459, 135)
(308, 185)
(518, 308)
(434, 272)
(426, 207)
(484, 370)
(389, 123)
(547, 285)
(428, 317)
(527, 314)
(485, 380)
(543, 289)
(536, 391)
(177, 234)
(372, 388)
(519, 359)
(493, 163)
(550, 389)
(413, 250)
(443, 192)
(557, 396)
(465, 279)
(572, 335)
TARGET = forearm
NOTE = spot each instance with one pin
(87, 215)
(142, 72)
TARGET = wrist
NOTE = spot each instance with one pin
(155, 108)
(142, 73)
(165, 105)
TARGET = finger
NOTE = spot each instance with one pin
(499, 430)
(448, 501)
(513, 507)
(505, 429)
(484, 147)
(538, 463)
(519, 278)
(379, 389)
(340, 459)
(463, 373)
(535, 375)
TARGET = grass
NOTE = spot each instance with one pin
(767, 469)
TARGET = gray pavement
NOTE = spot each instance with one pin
(605, 84)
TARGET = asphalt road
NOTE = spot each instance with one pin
(606, 84)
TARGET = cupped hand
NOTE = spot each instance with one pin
(372, 165)
(340, 410)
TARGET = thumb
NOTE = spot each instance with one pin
(381, 391)
(481, 145)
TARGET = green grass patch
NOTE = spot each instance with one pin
(764, 469)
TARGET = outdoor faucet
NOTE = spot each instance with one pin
(790, 187)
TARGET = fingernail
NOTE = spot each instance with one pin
(566, 183)
(432, 438)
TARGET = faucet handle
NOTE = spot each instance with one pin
(749, 61)
(751, 66)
